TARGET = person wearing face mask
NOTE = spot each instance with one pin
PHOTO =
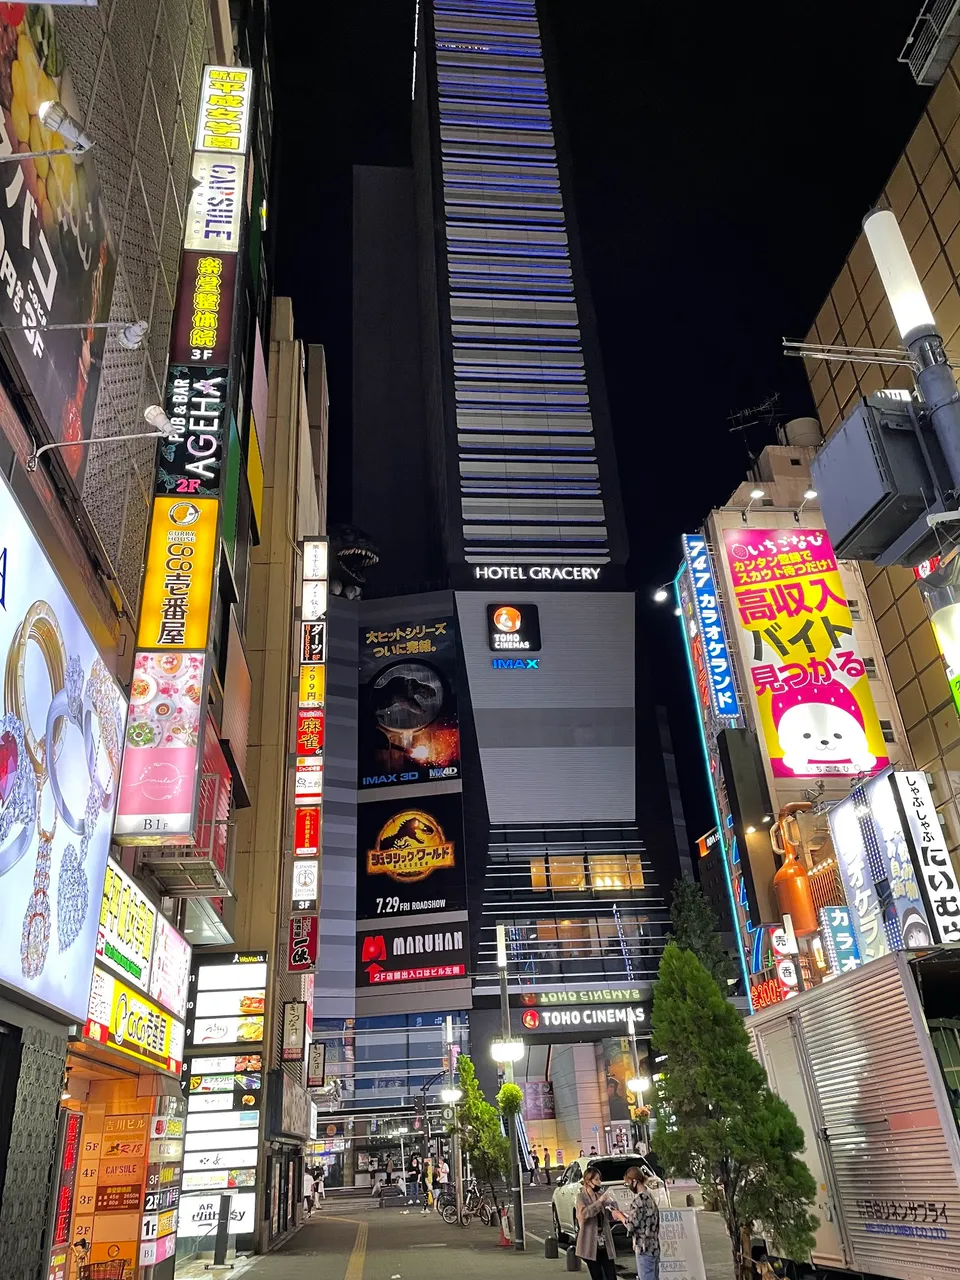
(642, 1221)
(594, 1238)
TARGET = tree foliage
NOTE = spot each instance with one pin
(509, 1099)
(696, 929)
(481, 1136)
(720, 1121)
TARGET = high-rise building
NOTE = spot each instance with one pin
(501, 745)
(923, 190)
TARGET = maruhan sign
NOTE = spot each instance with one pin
(537, 572)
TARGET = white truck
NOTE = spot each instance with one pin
(870, 1064)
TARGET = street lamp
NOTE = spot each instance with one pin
(130, 337)
(451, 1095)
(755, 496)
(163, 430)
(506, 1051)
(54, 117)
(918, 331)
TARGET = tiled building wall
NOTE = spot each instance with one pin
(136, 68)
(924, 192)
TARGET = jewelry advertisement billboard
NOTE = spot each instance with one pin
(60, 735)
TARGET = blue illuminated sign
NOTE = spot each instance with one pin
(716, 653)
(515, 664)
(839, 939)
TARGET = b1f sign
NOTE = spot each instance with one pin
(716, 653)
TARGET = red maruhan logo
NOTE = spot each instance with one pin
(374, 949)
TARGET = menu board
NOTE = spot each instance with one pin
(227, 1000)
(223, 1122)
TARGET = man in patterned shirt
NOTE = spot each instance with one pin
(642, 1221)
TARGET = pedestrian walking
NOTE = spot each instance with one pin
(319, 1190)
(443, 1171)
(534, 1169)
(413, 1179)
(642, 1221)
(307, 1190)
(595, 1238)
(426, 1186)
(546, 1164)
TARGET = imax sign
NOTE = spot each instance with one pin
(516, 664)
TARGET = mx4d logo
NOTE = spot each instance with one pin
(409, 847)
(516, 664)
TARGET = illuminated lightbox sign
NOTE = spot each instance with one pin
(217, 193)
(191, 458)
(306, 833)
(228, 997)
(809, 683)
(295, 1031)
(601, 1016)
(839, 939)
(934, 866)
(536, 573)
(302, 944)
(199, 1215)
(128, 922)
(513, 628)
(223, 114)
(170, 968)
(716, 652)
(412, 955)
(132, 1024)
(305, 887)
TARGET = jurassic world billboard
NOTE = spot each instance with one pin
(410, 857)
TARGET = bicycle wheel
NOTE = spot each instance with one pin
(466, 1217)
(449, 1212)
(485, 1213)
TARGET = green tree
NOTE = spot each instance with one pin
(481, 1136)
(696, 929)
(720, 1121)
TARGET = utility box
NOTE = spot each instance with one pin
(877, 477)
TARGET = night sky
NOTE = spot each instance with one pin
(721, 166)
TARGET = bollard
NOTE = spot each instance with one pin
(573, 1262)
(550, 1247)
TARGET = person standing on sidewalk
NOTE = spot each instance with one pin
(307, 1190)
(595, 1239)
(534, 1169)
(642, 1221)
(546, 1164)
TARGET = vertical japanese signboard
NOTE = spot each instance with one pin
(816, 711)
(159, 788)
(714, 651)
(934, 866)
(310, 681)
(839, 939)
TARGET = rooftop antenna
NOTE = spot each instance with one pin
(767, 414)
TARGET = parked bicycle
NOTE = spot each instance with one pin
(475, 1205)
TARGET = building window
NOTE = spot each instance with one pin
(615, 872)
(567, 874)
(854, 607)
(870, 666)
(888, 734)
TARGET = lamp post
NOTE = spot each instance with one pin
(637, 1084)
(507, 1051)
(156, 417)
(451, 1095)
(918, 331)
(54, 117)
(130, 336)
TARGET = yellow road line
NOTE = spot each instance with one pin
(358, 1256)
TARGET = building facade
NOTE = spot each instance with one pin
(496, 717)
(139, 639)
(923, 190)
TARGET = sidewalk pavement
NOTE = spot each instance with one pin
(340, 1242)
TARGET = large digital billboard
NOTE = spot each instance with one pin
(408, 730)
(59, 259)
(816, 711)
(418, 953)
(410, 856)
(60, 738)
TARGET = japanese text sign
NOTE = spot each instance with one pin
(128, 921)
(938, 878)
(294, 1030)
(302, 944)
(839, 939)
(223, 116)
(203, 319)
(861, 894)
(796, 634)
(190, 458)
(132, 1024)
(177, 586)
(716, 653)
